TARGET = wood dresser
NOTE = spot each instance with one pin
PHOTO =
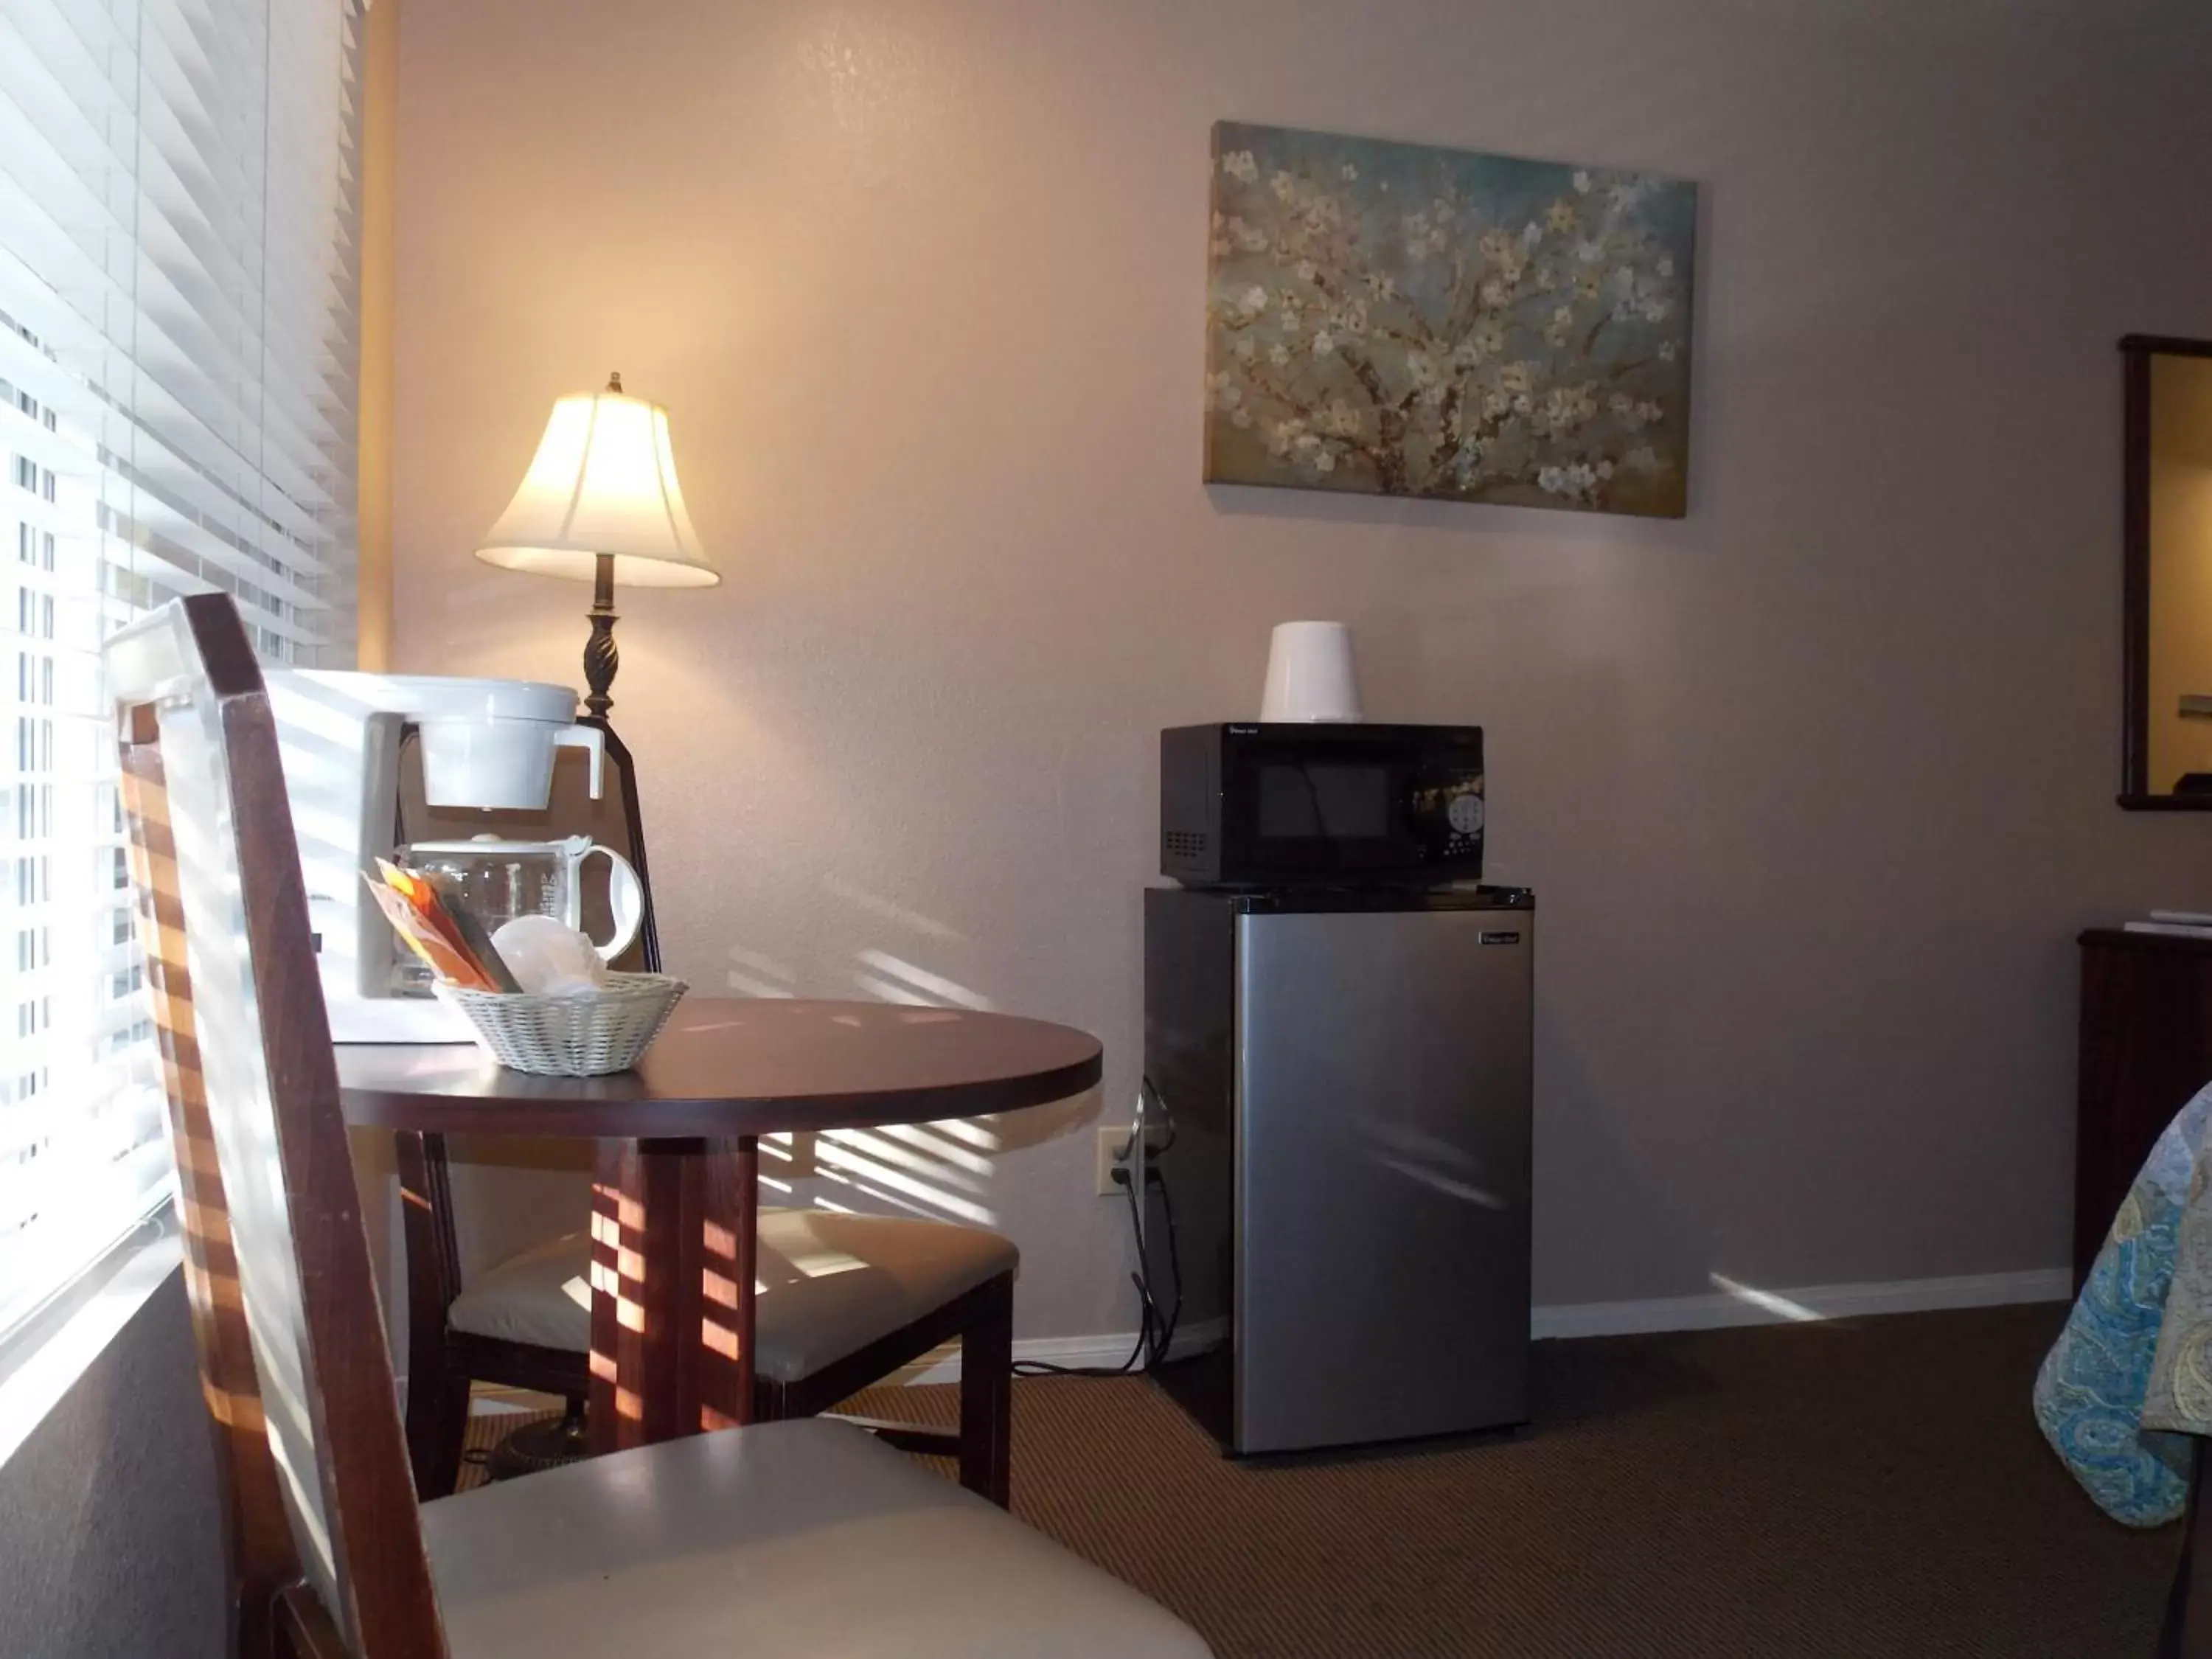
(2146, 1046)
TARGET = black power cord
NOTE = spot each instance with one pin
(1042, 1368)
(1162, 1325)
(1154, 1330)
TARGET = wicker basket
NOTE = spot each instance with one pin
(570, 1036)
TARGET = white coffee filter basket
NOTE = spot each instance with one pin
(570, 1036)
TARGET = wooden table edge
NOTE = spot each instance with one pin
(520, 1113)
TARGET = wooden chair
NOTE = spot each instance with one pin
(782, 1538)
(901, 1287)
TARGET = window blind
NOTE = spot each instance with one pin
(178, 357)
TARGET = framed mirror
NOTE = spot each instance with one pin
(2167, 700)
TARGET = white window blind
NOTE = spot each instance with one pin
(177, 356)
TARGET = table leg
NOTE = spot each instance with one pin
(744, 1208)
(674, 1232)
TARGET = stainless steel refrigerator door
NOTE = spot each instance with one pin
(1382, 1183)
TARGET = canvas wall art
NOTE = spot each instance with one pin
(1398, 320)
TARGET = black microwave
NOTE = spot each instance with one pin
(1276, 805)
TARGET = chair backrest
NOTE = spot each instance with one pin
(324, 1537)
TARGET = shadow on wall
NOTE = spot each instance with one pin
(1507, 526)
(940, 1171)
(513, 1193)
(1574, 1126)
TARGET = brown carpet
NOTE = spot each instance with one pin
(1868, 1487)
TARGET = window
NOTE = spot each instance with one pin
(178, 287)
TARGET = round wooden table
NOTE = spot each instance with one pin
(675, 1198)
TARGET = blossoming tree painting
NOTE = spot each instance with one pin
(1401, 320)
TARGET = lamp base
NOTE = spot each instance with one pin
(600, 661)
(539, 1446)
(600, 657)
(625, 771)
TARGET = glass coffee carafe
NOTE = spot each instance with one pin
(499, 880)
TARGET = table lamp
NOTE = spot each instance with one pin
(600, 504)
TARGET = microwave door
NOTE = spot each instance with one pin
(1338, 813)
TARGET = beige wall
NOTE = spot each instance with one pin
(2180, 565)
(1816, 787)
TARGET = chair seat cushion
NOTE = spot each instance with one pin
(830, 1285)
(800, 1539)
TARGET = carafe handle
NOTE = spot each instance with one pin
(591, 738)
(625, 898)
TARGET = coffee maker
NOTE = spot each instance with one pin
(484, 745)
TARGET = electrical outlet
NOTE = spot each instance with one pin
(1113, 1144)
(1113, 1147)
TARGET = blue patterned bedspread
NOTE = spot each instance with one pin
(2119, 1380)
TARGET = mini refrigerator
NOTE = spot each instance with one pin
(1338, 1173)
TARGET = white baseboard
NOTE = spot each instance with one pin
(487, 1400)
(1744, 1304)
(1741, 1305)
(1107, 1353)
(491, 1400)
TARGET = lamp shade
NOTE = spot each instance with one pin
(603, 483)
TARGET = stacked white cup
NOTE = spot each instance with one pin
(1311, 678)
